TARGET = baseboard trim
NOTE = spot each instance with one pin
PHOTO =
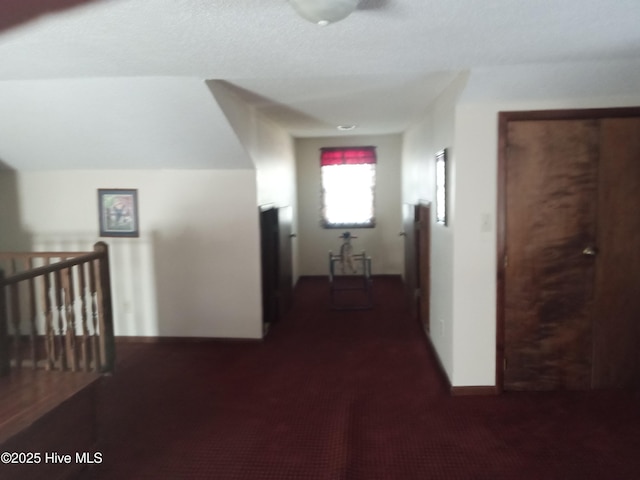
(139, 339)
(480, 390)
(444, 378)
(374, 276)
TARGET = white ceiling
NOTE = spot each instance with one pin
(378, 69)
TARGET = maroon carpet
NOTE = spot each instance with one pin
(344, 395)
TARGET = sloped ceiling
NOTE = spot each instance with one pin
(118, 123)
(121, 83)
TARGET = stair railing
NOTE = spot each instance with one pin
(55, 311)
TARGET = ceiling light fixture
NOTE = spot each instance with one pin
(324, 12)
(345, 128)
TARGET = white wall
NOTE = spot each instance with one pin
(12, 237)
(271, 149)
(383, 242)
(194, 271)
(465, 119)
(420, 144)
(475, 264)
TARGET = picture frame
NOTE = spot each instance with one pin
(442, 187)
(118, 212)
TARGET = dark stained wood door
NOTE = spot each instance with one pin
(616, 336)
(417, 260)
(409, 217)
(424, 263)
(570, 307)
(551, 208)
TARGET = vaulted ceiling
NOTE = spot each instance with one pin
(125, 79)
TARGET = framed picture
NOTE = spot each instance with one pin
(442, 187)
(118, 211)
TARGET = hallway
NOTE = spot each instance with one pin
(344, 395)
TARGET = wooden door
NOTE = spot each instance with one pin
(570, 321)
(270, 264)
(551, 207)
(616, 356)
(409, 217)
(424, 263)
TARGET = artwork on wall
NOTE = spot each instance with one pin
(118, 211)
(441, 187)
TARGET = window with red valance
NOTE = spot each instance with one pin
(348, 186)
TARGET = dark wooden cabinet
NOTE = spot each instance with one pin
(277, 269)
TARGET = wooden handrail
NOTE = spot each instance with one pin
(10, 255)
(39, 271)
(61, 290)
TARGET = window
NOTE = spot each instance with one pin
(348, 183)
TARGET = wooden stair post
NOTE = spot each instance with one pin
(108, 350)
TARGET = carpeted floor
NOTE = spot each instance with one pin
(344, 395)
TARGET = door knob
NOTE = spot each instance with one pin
(590, 251)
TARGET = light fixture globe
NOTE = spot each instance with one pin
(324, 12)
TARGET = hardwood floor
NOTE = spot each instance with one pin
(45, 413)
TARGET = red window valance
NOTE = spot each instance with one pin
(347, 155)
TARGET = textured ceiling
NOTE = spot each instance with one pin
(377, 69)
(265, 38)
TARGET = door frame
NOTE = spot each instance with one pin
(504, 118)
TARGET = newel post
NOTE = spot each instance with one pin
(5, 361)
(106, 328)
